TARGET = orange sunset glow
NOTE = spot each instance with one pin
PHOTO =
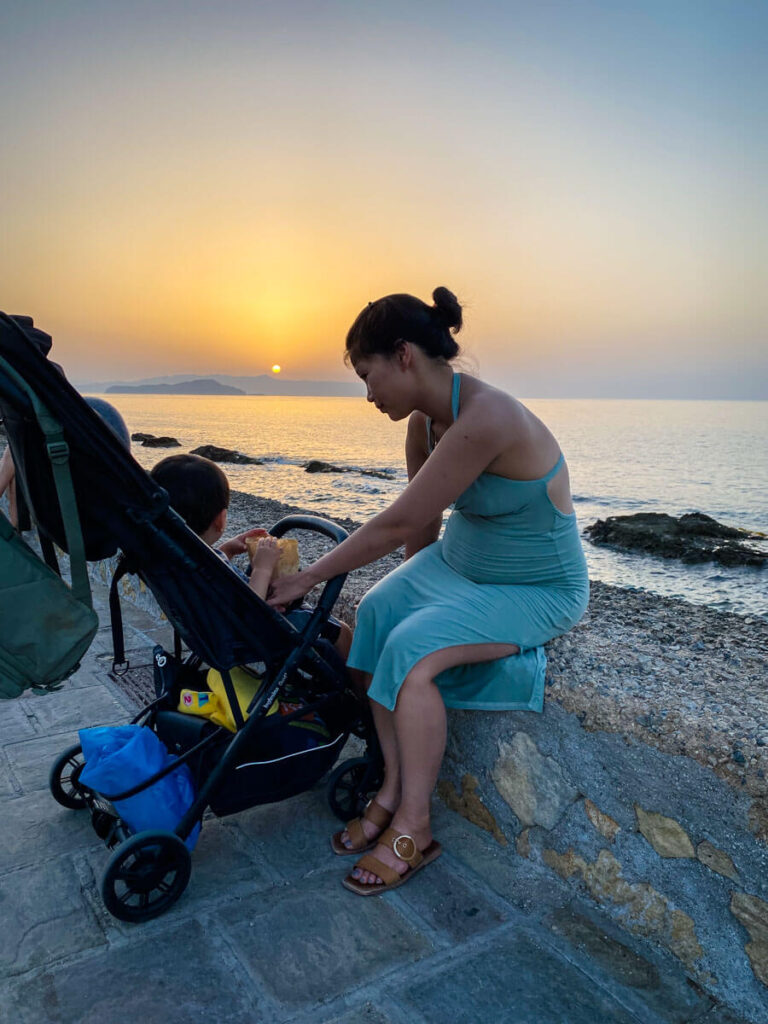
(195, 201)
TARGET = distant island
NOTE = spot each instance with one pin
(198, 386)
(225, 384)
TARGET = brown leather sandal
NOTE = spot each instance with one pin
(406, 850)
(373, 812)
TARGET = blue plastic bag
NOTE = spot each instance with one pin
(120, 757)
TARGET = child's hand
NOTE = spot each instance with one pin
(263, 565)
(236, 546)
(266, 556)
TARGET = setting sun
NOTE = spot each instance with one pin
(276, 368)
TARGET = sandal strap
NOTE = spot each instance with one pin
(357, 837)
(404, 847)
(376, 814)
(370, 863)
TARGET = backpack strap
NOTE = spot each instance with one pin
(58, 453)
(119, 664)
(49, 553)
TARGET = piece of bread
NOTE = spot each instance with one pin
(287, 563)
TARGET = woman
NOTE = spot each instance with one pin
(461, 622)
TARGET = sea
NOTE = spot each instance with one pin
(624, 456)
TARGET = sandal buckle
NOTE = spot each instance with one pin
(404, 847)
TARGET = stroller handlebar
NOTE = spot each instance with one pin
(317, 524)
(314, 523)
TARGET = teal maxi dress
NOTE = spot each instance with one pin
(508, 569)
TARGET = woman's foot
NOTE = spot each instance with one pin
(422, 838)
(359, 835)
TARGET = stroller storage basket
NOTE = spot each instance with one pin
(263, 779)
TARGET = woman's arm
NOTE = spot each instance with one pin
(416, 454)
(470, 444)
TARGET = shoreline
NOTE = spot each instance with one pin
(685, 678)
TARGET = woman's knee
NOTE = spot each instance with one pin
(420, 676)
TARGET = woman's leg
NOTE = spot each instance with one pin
(420, 732)
(389, 794)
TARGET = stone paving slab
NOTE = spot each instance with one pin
(449, 905)
(224, 870)
(72, 709)
(31, 760)
(44, 917)
(513, 980)
(307, 943)
(182, 976)
(36, 829)
(8, 785)
(293, 836)
(15, 724)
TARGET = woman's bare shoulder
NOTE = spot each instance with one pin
(484, 401)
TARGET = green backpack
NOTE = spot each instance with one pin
(45, 626)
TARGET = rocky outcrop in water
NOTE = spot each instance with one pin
(693, 538)
(150, 441)
(216, 454)
(318, 466)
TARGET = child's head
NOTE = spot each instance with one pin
(198, 491)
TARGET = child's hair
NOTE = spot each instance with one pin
(197, 488)
(385, 322)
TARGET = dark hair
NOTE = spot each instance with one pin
(197, 488)
(385, 322)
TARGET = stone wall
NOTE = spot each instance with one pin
(660, 842)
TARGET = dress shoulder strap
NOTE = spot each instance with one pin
(554, 470)
(455, 390)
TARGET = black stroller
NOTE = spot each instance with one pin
(214, 615)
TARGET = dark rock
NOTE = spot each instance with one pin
(738, 756)
(693, 538)
(150, 441)
(318, 466)
(216, 454)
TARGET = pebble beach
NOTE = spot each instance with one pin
(687, 679)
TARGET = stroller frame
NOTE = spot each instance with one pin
(219, 619)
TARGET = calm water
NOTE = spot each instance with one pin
(624, 456)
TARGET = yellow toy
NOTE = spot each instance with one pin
(213, 703)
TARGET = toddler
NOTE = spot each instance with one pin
(199, 491)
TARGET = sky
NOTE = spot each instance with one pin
(215, 188)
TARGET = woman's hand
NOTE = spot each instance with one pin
(287, 589)
(237, 546)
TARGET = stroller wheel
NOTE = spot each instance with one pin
(145, 876)
(63, 779)
(351, 785)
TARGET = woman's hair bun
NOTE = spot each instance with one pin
(447, 309)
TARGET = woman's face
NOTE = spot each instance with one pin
(385, 384)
